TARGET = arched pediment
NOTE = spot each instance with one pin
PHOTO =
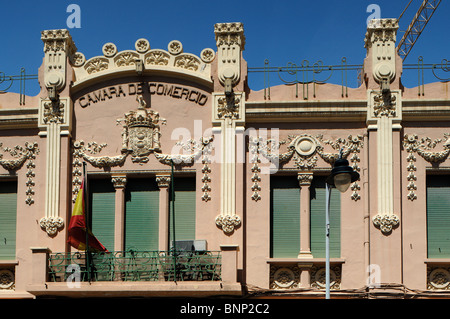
(114, 64)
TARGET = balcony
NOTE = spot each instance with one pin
(134, 265)
(135, 273)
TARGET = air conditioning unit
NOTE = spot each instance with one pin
(190, 245)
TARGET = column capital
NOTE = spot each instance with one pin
(163, 180)
(305, 179)
(119, 181)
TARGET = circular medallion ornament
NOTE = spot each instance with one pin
(384, 70)
(320, 278)
(54, 79)
(78, 59)
(6, 279)
(109, 49)
(175, 47)
(142, 45)
(207, 55)
(284, 278)
(440, 278)
(305, 145)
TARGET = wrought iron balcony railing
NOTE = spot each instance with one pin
(307, 75)
(134, 265)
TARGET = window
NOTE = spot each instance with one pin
(141, 228)
(184, 207)
(318, 209)
(438, 216)
(8, 217)
(285, 216)
(141, 214)
(102, 204)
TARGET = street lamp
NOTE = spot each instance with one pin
(342, 175)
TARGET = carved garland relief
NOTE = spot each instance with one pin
(19, 156)
(424, 148)
(305, 149)
(206, 171)
(254, 157)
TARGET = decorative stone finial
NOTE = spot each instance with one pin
(230, 42)
(380, 39)
(58, 45)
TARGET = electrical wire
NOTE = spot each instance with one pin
(380, 291)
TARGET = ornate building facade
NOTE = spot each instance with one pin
(176, 148)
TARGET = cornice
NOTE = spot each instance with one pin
(306, 111)
(426, 109)
(341, 110)
(22, 118)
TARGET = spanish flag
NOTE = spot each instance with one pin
(77, 226)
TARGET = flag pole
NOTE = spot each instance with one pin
(86, 204)
(172, 191)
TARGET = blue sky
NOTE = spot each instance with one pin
(281, 31)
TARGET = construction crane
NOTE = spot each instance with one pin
(416, 26)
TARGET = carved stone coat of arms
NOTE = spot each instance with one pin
(141, 135)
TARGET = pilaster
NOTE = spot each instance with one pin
(228, 117)
(384, 115)
(55, 121)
